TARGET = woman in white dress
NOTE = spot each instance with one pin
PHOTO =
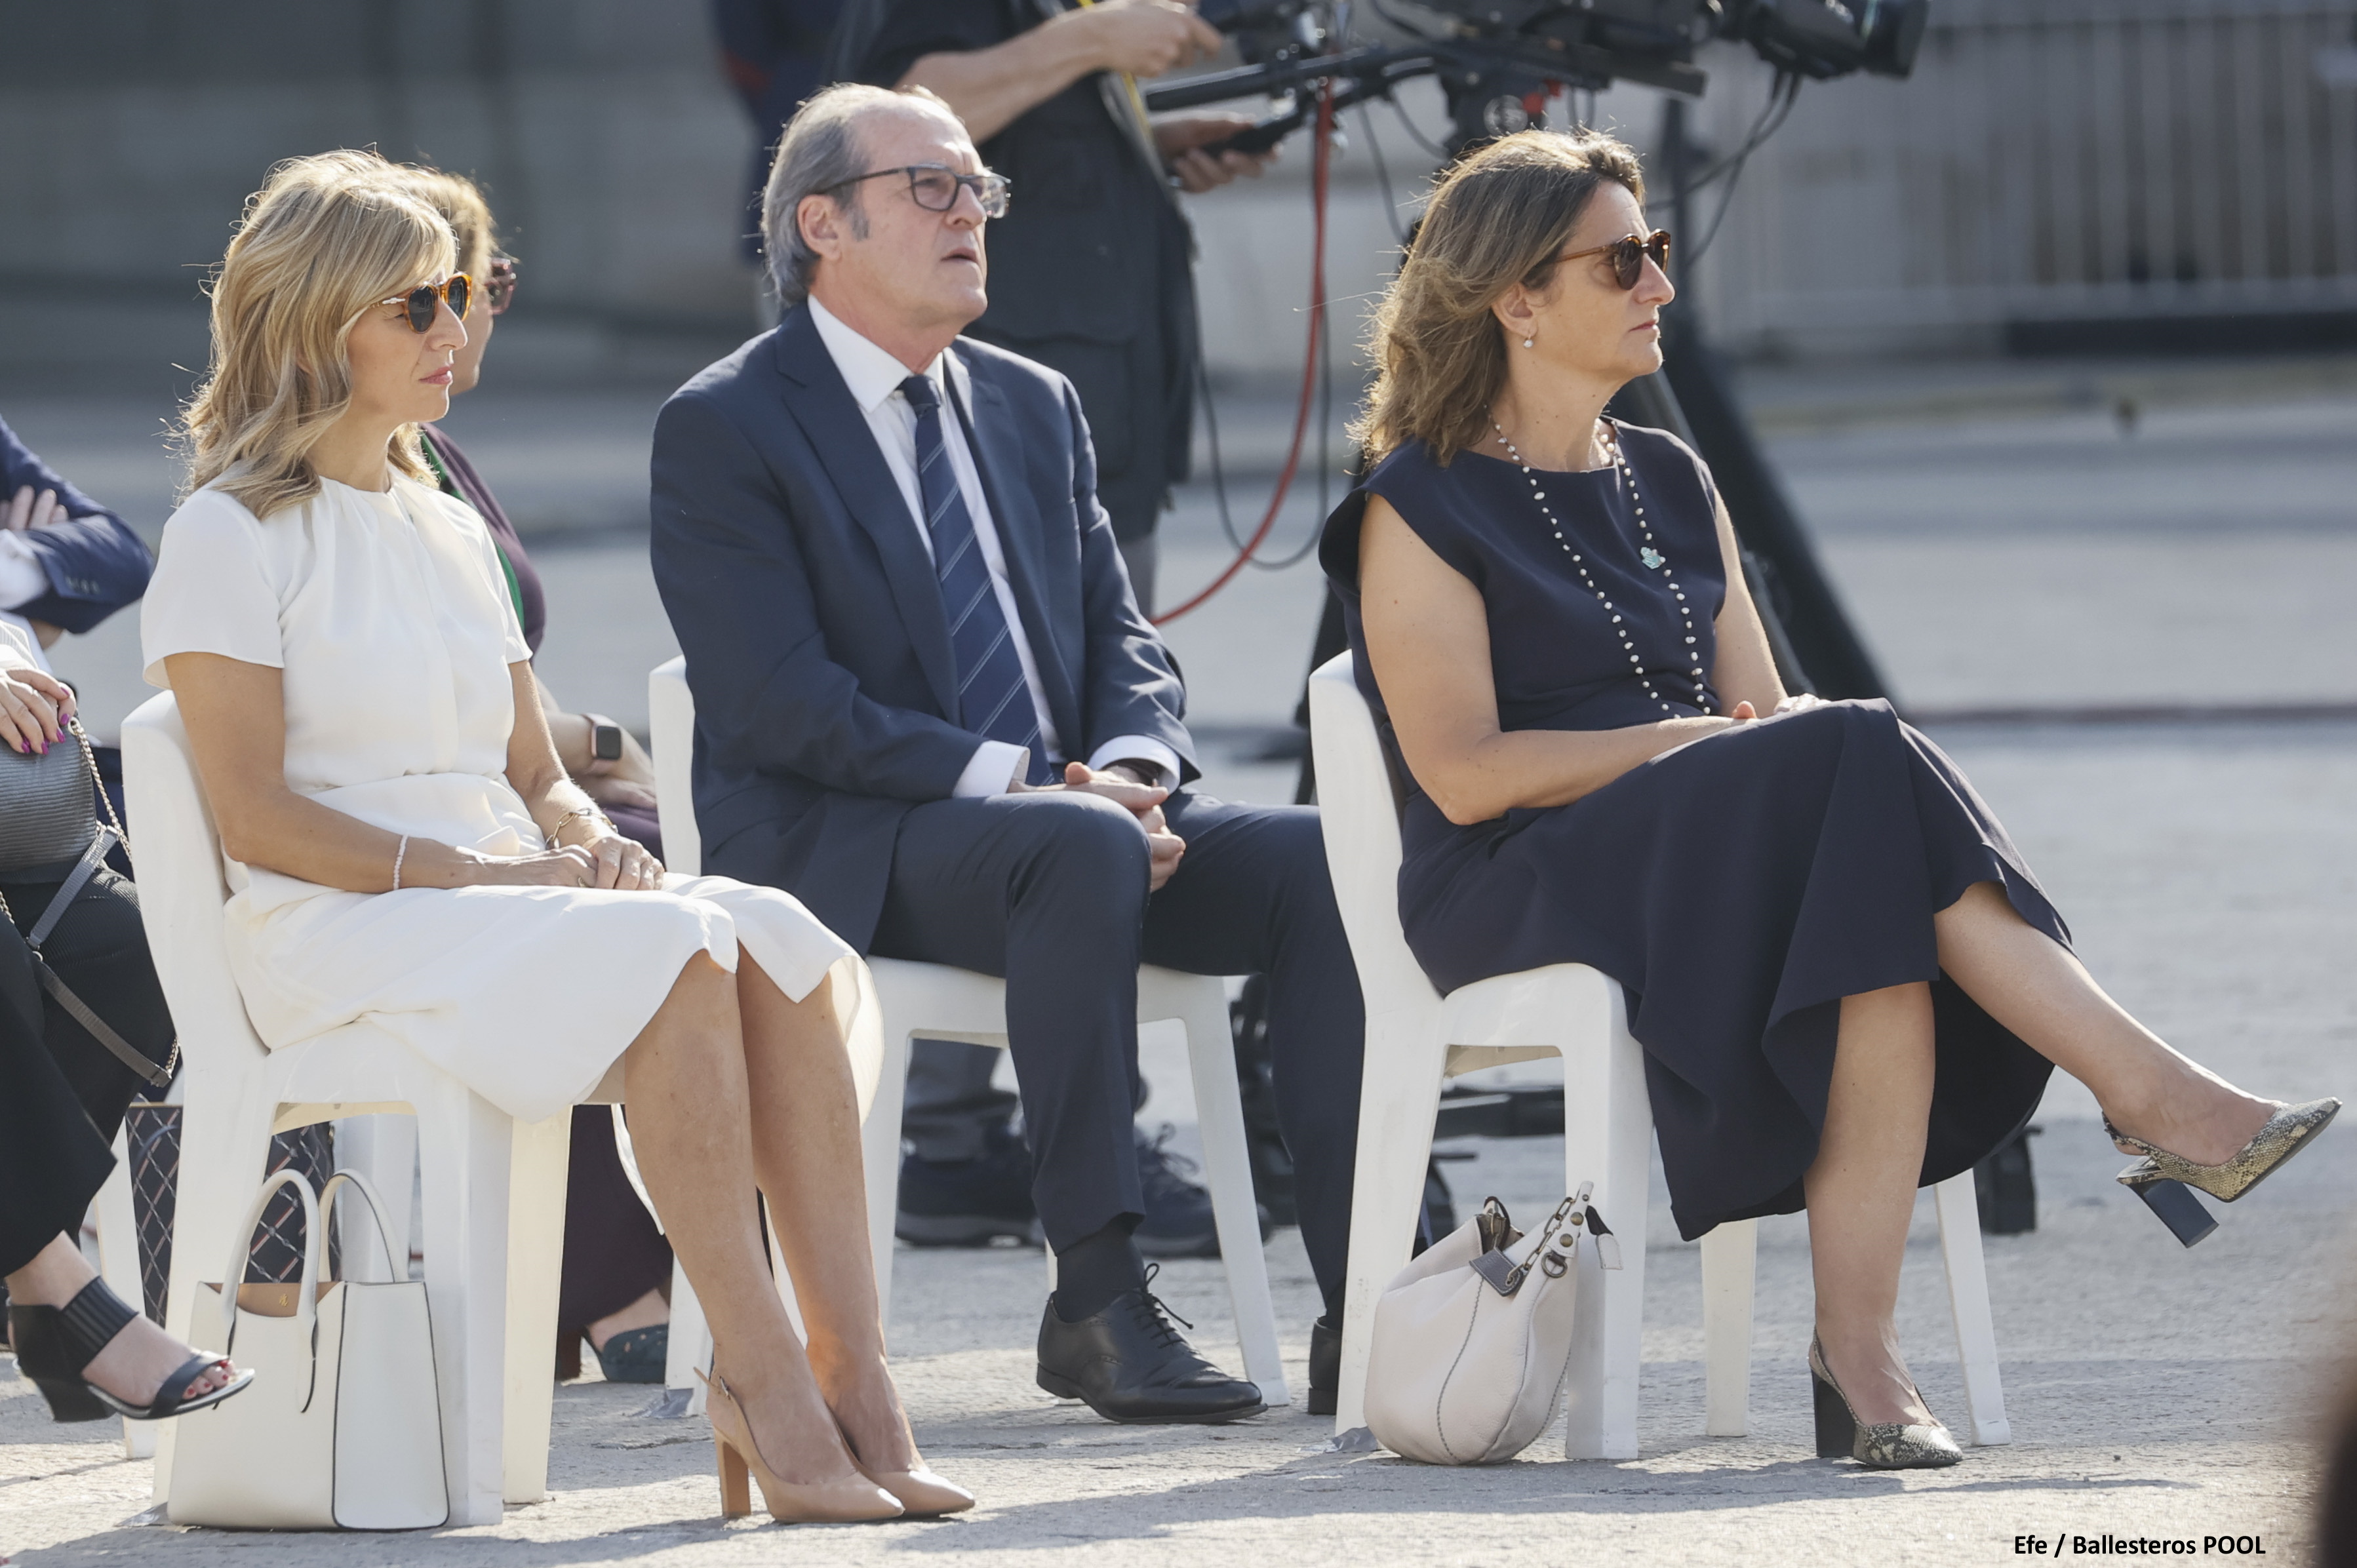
(405, 846)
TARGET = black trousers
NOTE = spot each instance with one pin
(62, 1094)
(1049, 890)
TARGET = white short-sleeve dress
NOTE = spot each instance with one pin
(389, 614)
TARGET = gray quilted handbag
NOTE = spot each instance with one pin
(46, 821)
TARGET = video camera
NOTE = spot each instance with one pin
(1499, 60)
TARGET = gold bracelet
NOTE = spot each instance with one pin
(567, 821)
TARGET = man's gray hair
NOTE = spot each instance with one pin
(820, 150)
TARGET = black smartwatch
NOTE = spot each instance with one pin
(605, 741)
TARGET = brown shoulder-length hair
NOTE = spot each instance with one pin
(326, 238)
(1498, 219)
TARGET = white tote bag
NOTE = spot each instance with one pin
(1473, 1337)
(342, 1428)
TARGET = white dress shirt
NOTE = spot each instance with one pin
(874, 378)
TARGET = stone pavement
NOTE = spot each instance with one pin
(2008, 547)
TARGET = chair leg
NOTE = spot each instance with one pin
(539, 1155)
(879, 1151)
(224, 1143)
(1227, 1163)
(691, 1345)
(118, 1263)
(383, 1148)
(1399, 1096)
(1960, 1246)
(1608, 1139)
(465, 1148)
(1731, 1257)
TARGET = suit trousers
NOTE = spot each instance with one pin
(1049, 891)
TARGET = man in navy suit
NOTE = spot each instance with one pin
(66, 562)
(927, 705)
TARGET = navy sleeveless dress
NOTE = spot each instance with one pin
(1737, 888)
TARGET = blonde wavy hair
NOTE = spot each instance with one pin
(326, 238)
(1498, 219)
(462, 205)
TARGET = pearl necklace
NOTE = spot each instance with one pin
(1654, 560)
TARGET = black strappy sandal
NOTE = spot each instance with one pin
(56, 1344)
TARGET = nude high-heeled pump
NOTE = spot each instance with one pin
(844, 1500)
(922, 1491)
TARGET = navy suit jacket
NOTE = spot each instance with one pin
(805, 601)
(94, 562)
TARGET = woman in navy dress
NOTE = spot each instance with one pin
(1845, 982)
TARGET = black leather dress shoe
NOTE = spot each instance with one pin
(1325, 1366)
(1130, 1364)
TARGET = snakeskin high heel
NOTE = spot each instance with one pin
(1889, 1445)
(2160, 1179)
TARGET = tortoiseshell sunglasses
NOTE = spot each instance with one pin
(417, 305)
(1629, 255)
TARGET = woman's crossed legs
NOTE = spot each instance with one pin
(1861, 1188)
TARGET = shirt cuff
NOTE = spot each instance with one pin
(1139, 749)
(21, 578)
(993, 770)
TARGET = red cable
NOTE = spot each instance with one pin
(1320, 161)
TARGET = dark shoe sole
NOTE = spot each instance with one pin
(71, 1399)
(1063, 1388)
(963, 1231)
(1321, 1402)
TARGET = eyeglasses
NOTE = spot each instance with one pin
(934, 187)
(498, 289)
(1629, 255)
(458, 291)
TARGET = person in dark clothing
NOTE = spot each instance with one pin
(618, 1266)
(66, 562)
(775, 54)
(1846, 983)
(62, 1096)
(1091, 276)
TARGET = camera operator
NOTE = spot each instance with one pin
(1091, 268)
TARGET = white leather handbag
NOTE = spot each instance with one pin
(1473, 1337)
(342, 1428)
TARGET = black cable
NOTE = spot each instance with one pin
(1790, 87)
(1780, 99)
(1383, 178)
(1396, 20)
(1212, 431)
(1432, 150)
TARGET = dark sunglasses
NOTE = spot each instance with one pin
(1629, 255)
(934, 187)
(418, 304)
(498, 289)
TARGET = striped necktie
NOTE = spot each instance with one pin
(994, 701)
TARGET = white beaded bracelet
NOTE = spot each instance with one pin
(398, 856)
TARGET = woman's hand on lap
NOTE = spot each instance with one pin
(622, 864)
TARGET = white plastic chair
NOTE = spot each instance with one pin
(494, 1188)
(118, 1264)
(1417, 1037)
(936, 1002)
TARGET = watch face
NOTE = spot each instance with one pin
(605, 742)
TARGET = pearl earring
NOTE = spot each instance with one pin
(1526, 342)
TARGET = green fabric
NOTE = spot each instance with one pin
(507, 567)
